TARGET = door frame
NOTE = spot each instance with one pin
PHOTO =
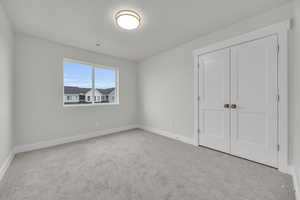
(281, 30)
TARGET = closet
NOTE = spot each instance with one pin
(238, 100)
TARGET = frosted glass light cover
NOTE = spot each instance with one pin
(128, 19)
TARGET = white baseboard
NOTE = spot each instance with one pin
(50, 143)
(6, 164)
(168, 134)
(295, 173)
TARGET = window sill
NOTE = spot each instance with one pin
(87, 105)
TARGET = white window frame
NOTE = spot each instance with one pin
(94, 66)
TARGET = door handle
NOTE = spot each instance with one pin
(233, 106)
(226, 105)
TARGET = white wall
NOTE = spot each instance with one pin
(39, 114)
(166, 80)
(6, 67)
(295, 88)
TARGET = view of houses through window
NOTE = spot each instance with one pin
(89, 84)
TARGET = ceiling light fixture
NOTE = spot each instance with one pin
(128, 19)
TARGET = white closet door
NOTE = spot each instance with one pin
(214, 69)
(254, 90)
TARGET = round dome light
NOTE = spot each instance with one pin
(128, 19)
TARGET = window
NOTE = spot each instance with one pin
(105, 83)
(89, 83)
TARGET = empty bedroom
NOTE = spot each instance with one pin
(150, 100)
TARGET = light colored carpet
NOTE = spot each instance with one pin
(136, 165)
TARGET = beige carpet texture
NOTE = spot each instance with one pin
(138, 165)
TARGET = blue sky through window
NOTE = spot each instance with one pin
(104, 78)
(80, 75)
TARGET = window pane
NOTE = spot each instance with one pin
(77, 83)
(105, 85)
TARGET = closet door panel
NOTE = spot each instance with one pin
(254, 91)
(213, 87)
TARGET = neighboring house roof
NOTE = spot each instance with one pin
(78, 90)
(106, 91)
(75, 90)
